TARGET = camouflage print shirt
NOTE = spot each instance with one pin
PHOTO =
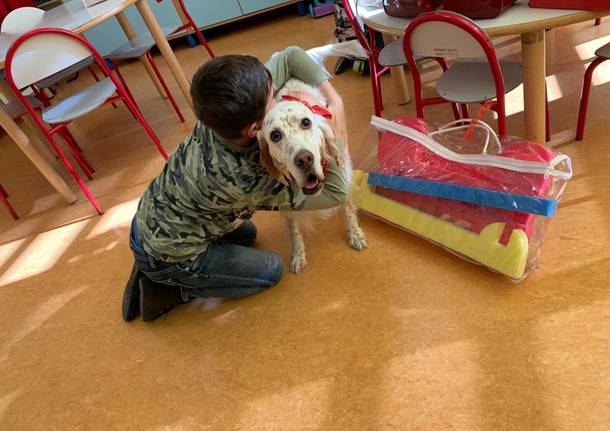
(210, 185)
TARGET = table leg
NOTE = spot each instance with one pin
(130, 33)
(534, 85)
(399, 76)
(166, 50)
(13, 130)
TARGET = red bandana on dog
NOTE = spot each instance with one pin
(316, 109)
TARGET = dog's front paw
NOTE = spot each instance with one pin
(358, 239)
(298, 262)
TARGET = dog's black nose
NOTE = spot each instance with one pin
(304, 160)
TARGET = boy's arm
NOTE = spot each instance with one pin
(294, 62)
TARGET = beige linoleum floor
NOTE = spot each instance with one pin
(403, 336)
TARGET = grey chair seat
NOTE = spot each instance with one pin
(604, 51)
(64, 74)
(471, 80)
(392, 54)
(15, 109)
(80, 103)
(138, 46)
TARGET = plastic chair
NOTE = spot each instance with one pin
(142, 44)
(478, 76)
(139, 46)
(602, 54)
(43, 52)
(380, 59)
(24, 19)
(7, 204)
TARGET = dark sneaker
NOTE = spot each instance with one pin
(131, 296)
(157, 299)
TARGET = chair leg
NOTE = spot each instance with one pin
(194, 27)
(164, 85)
(379, 91)
(115, 66)
(67, 136)
(71, 137)
(77, 155)
(598, 21)
(584, 100)
(465, 110)
(375, 84)
(456, 111)
(131, 105)
(7, 204)
(69, 166)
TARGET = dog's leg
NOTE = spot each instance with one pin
(298, 260)
(357, 237)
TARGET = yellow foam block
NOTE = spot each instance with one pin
(485, 248)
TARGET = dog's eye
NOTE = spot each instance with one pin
(305, 123)
(275, 135)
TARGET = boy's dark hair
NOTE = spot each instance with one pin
(230, 93)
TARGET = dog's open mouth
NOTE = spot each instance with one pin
(313, 186)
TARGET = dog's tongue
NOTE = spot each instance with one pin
(312, 184)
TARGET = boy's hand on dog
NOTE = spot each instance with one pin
(335, 106)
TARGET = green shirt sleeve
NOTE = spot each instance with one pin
(294, 62)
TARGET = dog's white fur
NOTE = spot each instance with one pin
(278, 157)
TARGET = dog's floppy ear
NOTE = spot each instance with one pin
(329, 147)
(267, 160)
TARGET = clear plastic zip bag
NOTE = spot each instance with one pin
(485, 199)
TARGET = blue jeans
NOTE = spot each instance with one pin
(229, 267)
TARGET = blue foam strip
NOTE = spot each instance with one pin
(474, 195)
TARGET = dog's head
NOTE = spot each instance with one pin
(294, 142)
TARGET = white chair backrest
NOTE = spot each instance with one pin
(442, 39)
(22, 20)
(43, 55)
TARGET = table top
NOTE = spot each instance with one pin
(517, 19)
(73, 16)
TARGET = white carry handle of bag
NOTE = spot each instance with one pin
(525, 166)
(478, 124)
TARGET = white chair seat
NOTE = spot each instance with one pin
(15, 109)
(64, 74)
(392, 54)
(604, 51)
(471, 80)
(80, 103)
(138, 46)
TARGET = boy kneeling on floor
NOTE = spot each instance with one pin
(191, 235)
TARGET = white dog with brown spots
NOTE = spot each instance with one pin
(296, 143)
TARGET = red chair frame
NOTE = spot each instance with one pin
(377, 70)
(61, 129)
(191, 24)
(7, 204)
(490, 52)
(584, 101)
(485, 44)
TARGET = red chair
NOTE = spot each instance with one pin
(476, 77)
(43, 52)
(380, 60)
(7, 204)
(602, 54)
